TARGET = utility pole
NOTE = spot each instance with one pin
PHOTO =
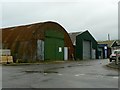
(108, 37)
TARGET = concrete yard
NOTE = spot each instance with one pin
(82, 74)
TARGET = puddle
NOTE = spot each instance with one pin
(77, 65)
(55, 68)
(96, 74)
(29, 71)
(112, 75)
(69, 66)
(83, 65)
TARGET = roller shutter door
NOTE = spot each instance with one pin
(86, 49)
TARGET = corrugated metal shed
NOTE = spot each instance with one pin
(86, 46)
(22, 39)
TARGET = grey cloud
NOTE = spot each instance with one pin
(98, 16)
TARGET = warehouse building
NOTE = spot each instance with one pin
(103, 51)
(85, 45)
(39, 41)
(105, 48)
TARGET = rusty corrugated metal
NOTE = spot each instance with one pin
(22, 39)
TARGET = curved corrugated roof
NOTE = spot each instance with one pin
(28, 33)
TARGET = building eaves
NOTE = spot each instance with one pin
(108, 42)
(73, 36)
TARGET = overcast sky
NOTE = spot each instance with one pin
(100, 17)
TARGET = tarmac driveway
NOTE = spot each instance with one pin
(83, 74)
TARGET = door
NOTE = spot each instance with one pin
(59, 44)
(54, 49)
(50, 49)
(40, 49)
(54, 45)
(93, 53)
(65, 53)
(86, 49)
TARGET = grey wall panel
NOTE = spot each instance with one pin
(86, 49)
(40, 50)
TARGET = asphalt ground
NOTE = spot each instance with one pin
(80, 74)
(113, 65)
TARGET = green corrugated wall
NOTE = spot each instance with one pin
(79, 44)
(53, 40)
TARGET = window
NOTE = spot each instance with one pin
(60, 49)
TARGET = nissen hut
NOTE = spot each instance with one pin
(39, 41)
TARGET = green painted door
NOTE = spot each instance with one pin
(59, 49)
(54, 44)
(49, 49)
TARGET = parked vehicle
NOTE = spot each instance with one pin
(114, 55)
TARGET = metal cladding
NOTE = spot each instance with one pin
(86, 46)
(22, 39)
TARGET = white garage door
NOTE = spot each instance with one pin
(86, 49)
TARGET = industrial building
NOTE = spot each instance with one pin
(39, 41)
(85, 45)
(105, 48)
